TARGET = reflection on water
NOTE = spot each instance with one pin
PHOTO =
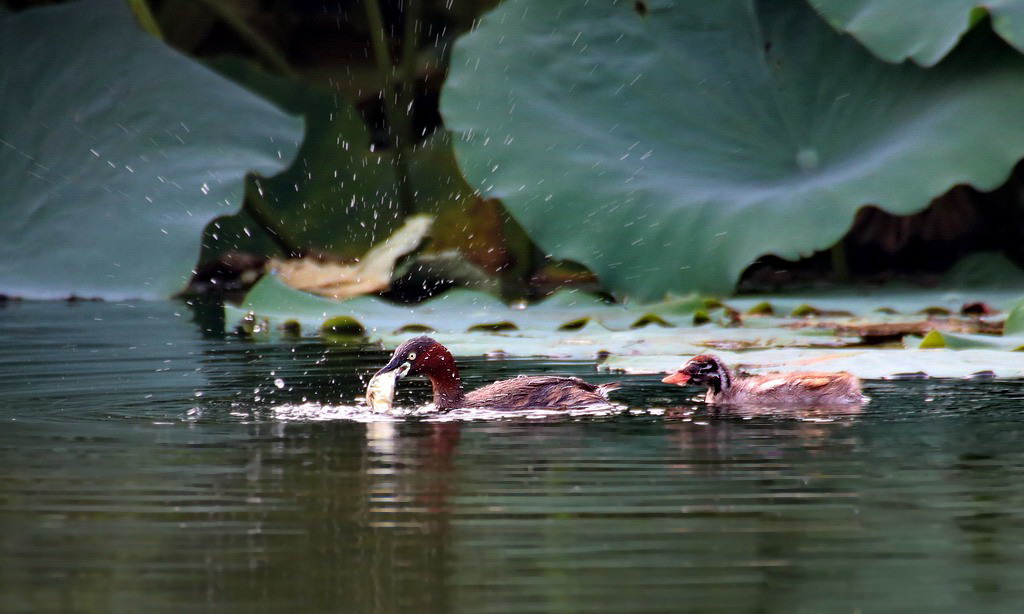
(145, 466)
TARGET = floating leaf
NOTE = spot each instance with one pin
(964, 341)
(566, 325)
(667, 148)
(455, 311)
(874, 331)
(1015, 321)
(866, 363)
(878, 304)
(116, 151)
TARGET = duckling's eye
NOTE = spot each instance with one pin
(412, 355)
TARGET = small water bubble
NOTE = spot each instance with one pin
(279, 383)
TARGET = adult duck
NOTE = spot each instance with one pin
(424, 356)
(796, 388)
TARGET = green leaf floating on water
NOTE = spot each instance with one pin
(579, 326)
(566, 325)
(877, 304)
(1015, 322)
(666, 145)
(964, 341)
(456, 311)
(922, 30)
(116, 151)
(865, 363)
(1012, 338)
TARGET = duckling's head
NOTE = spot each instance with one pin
(703, 370)
(422, 356)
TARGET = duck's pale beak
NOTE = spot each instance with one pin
(397, 364)
(400, 368)
(678, 378)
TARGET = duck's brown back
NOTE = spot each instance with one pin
(809, 387)
(538, 392)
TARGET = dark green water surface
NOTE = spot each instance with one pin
(146, 465)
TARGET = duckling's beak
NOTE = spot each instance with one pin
(679, 378)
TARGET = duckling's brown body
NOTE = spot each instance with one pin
(797, 388)
(424, 356)
(803, 388)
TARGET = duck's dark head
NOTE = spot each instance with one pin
(703, 370)
(422, 356)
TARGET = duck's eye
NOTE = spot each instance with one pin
(412, 355)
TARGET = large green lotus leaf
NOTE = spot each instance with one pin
(922, 30)
(339, 197)
(866, 363)
(666, 145)
(115, 152)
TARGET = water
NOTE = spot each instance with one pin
(122, 490)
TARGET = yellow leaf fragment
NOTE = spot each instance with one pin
(371, 274)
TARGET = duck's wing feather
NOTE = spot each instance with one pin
(539, 391)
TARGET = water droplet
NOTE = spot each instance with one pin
(807, 159)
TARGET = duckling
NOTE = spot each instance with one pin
(798, 388)
(425, 356)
